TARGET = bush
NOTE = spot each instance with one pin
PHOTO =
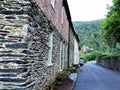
(60, 76)
(91, 56)
(50, 86)
(71, 69)
(111, 54)
(114, 54)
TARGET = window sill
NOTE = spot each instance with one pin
(61, 70)
(49, 64)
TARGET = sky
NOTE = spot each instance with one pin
(88, 10)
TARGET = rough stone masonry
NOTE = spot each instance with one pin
(24, 31)
(112, 62)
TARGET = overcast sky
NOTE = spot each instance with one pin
(87, 10)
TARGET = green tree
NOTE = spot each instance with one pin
(89, 33)
(111, 25)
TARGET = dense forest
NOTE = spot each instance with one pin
(90, 36)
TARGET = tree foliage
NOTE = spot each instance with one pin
(89, 33)
(111, 25)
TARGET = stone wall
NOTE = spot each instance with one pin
(112, 63)
(24, 31)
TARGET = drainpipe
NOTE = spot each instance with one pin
(68, 47)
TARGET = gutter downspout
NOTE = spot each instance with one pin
(68, 47)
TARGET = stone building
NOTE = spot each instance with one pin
(37, 39)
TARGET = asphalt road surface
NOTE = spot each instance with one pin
(94, 77)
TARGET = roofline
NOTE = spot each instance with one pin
(65, 4)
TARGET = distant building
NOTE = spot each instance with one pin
(37, 39)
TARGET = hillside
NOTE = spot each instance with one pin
(90, 36)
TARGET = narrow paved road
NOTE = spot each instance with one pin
(94, 77)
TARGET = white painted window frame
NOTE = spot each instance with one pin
(63, 61)
(62, 18)
(60, 56)
(49, 63)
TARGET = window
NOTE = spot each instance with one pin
(50, 49)
(62, 18)
(53, 3)
(61, 55)
(63, 61)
